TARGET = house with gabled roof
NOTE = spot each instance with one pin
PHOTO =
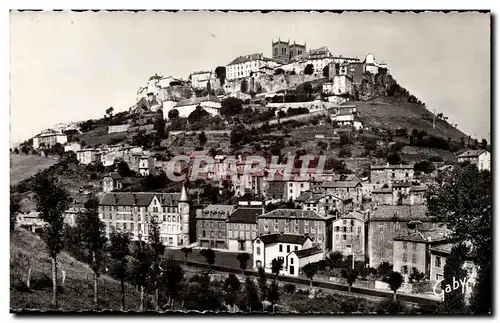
(278, 246)
(350, 232)
(481, 158)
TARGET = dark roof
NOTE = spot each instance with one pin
(245, 215)
(283, 238)
(138, 199)
(247, 58)
(382, 190)
(345, 177)
(341, 184)
(387, 166)
(425, 236)
(400, 212)
(308, 252)
(292, 214)
(216, 212)
(114, 176)
(353, 215)
(472, 153)
(401, 184)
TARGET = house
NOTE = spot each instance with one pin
(112, 182)
(74, 147)
(388, 221)
(209, 103)
(71, 214)
(324, 204)
(297, 259)
(350, 231)
(49, 138)
(211, 226)
(295, 221)
(438, 256)
(132, 212)
(341, 84)
(243, 66)
(277, 246)
(242, 228)
(87, 156)
(480, 158)
(30, 220)
(387, 174)
(200, 79)
(411, 249)
(348, 189)
(146, 165)
(295, 187)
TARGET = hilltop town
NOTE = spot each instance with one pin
(366, 213)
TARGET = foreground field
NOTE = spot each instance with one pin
(28, 251)
(24, 166)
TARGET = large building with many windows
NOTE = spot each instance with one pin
(294, 221)
(211, 226)
(132, 212)
(349, 235)
(242, 228)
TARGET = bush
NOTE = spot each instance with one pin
(289, 288)
(388, 306)
(345, 152)
(424, 166)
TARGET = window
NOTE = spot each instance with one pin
(359, 230)
(405, 245)
(230, 234)
(173, 218)
(291, 260)
(276, 228)
(414, 258)
(438, 261)
(337, 228)
(306, 229)
(306, 222)
(258, 251)
(155, 209)
(320, 229)
(281, 247)
(414, 246)
(276, 221)
(344, 237)
(296, 221)
(296, 229)
(405, 257)
(288, 248)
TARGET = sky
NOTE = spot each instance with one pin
(68, 66)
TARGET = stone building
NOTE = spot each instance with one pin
(481, 158)
(242, 228)
(388, 221)
(387, 174)
(349, 235)
(211, 226)
(132, 212)
(284, 51)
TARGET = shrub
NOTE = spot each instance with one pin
(289, 288)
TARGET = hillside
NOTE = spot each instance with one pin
(394, 113)
(77, 293)
(24, 166)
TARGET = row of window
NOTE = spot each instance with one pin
(213, 234)
(139, 217)
(156, 209)
(247, 235)
(413, 258)
(353, 238)
(347, 229)
(288, 248)
(414, 245)
(241, 226)
(383, 226)
(213, 225)
(295, 221)
(295, 229)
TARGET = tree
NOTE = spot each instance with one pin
(202, 138)
(173, 114)
(220, 73)
(244, 86)
(484, 144)
(463, 200)
(158, 249)
(232, 287)
(16, 151)
(198, 115)
(159, 125)
(230, 107)
(252, 301)
(209, 255)
(243, 258)
(395, 280)
(119, 251)
(351, 278)
(394, 159)
(171, 277)
(186, 252)
(336, 259)
(262, 283)
(309, 69)
(453, 271)
(109, 111)
(123, 169)
(424, 166)
(326, 71)
(279, 71)
(345, 152)
(142, 269)
(52, 200)
(93, 237)
(15, 207)
(273, 294)
(276, 266)
(310, 270)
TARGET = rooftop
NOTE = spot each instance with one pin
(245, 215)
(472, 153)
(433, 235)
(388, 166)
(138, 199)
(400, 212)
(341, 184)
(308, 252)
(292, 214)
(283, 238)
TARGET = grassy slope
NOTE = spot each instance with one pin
(396, 113)
(24, 166)
(77, 293)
